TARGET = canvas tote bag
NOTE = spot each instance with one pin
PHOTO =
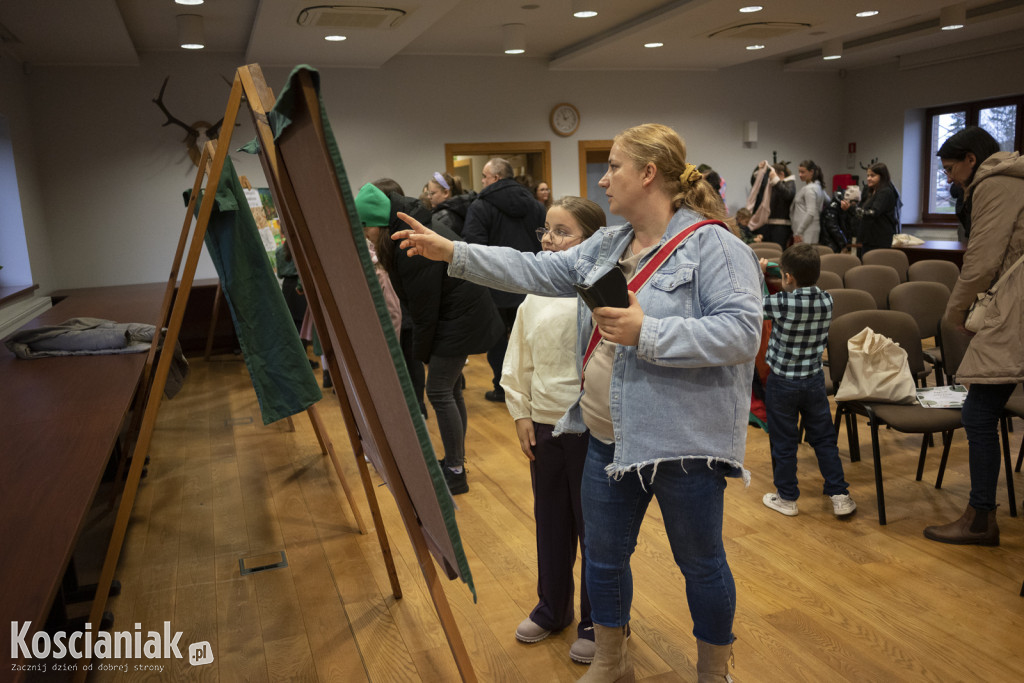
(877, 371)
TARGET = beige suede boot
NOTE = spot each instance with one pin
(611, 663)
(713, 663)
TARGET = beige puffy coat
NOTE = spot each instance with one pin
(996, 354)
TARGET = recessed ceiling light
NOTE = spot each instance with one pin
(189, 2)
(832, 49)
(654, 44)
(751, 8)
(583, 9)
(867, 13)
(953, 17)
(755, 47)
(335, 38)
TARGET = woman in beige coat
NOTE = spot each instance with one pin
(994, 362)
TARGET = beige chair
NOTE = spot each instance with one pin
(909, 419)
(876, 280)
(829, 280)
(934, 270)
(926, 304)
(768, 250)
(845, 301)
(888, 257)
(823, 249)
(839, 263)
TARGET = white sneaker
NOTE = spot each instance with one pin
(842, 504)
(786, 507)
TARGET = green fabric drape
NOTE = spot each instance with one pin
(277, 363)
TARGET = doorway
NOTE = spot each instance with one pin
(466, 160)
(593, 164)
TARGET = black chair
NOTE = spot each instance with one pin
(909, 419)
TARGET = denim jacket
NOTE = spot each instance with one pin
(683, 392)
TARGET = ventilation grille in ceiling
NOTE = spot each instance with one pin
(349, 16)
(760, 30)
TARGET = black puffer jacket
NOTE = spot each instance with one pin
(505, 214)
(451, 213)
(835, 223)
(451, 317)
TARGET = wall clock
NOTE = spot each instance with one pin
(565, 119)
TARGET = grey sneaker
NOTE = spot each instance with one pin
(842, 504)
(529, 631)
(786, 507)
(583, 650)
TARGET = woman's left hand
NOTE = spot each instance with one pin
(621, 325)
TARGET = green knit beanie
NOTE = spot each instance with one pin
(373, 206)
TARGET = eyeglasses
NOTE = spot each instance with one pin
(557, 235)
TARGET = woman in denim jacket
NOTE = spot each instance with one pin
(667, 391)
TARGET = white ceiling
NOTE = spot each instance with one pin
(697, 34)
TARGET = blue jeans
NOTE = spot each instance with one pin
(980, 415)
(691, 502)
(444, 391)
(785, 400)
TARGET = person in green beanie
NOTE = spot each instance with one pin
(452, 319)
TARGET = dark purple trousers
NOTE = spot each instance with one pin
(556, 473)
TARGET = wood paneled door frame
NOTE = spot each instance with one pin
(587, 147)
(498, 149)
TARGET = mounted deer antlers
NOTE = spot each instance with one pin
(194, 131)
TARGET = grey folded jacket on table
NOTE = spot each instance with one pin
(92, 337)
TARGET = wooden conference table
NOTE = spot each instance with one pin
(944, 250)
(59, 421)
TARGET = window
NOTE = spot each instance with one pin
(1003, 118)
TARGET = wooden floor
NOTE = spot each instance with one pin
(817, 599)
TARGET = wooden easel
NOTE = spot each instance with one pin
(152, 384)
(323, 304)
(249, 83)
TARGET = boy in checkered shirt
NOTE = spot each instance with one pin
(800, 316)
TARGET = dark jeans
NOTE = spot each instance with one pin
(557, 475)
(691, 498)
(496, 354)
(785, 401)
(444, 391)
(981, 412)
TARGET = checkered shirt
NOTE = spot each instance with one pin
(799, 331)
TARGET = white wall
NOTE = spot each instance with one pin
(112, 177)
(880, 102)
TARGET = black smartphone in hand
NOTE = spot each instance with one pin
(607, 290)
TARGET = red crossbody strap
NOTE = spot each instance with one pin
(641, 278)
